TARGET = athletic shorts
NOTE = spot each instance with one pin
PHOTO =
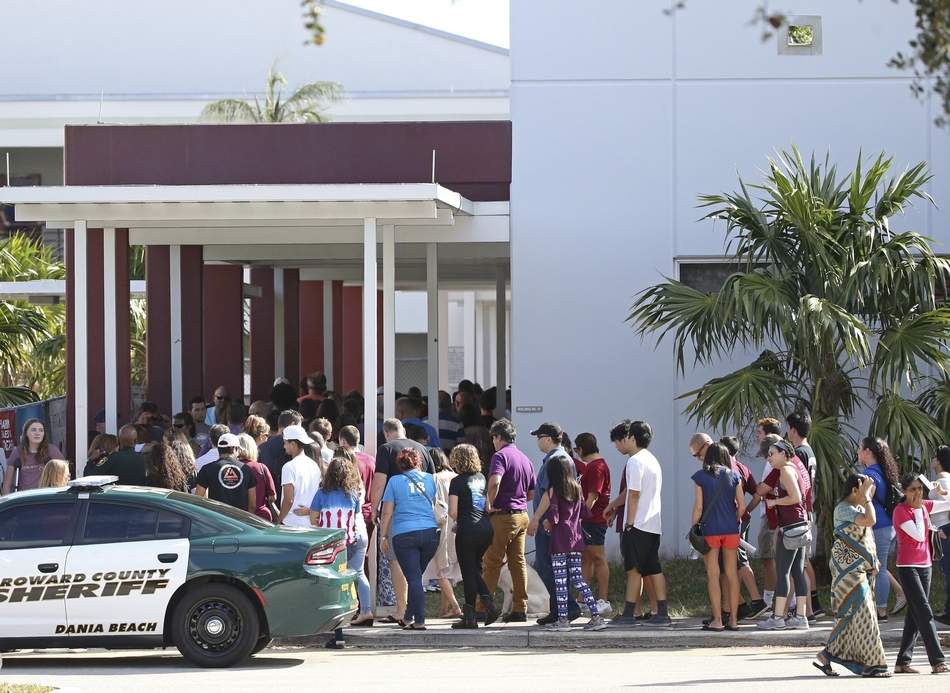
(742, 558)
(766, 548)
(594, 535)
(641, 551)
(722, 541)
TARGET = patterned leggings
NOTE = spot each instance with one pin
(565, 564)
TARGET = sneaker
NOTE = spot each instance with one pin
(943, 618)
(584, 611)
(899, 604)
(816, 609)
(658, 621)
(334, 644)
(796, 623)
(771, 623)
(646, 616)
(621, 620)
(596, 623)
(757, 609)
(573, 615)
(546, 620)
(743, 611)
(604, 608)
(559, 626)
(515, 617)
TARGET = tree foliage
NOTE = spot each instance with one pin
(844, 311)
(305, 105)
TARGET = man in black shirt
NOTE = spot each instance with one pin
(227, 479)
(125, 462)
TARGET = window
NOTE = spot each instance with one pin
(110, 522)
(241, 518)
(707, 277)
(800, 35)
(36, 525)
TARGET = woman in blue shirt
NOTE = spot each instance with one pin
(876, 456)
(408, 524)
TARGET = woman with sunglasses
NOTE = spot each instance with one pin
(914, 560)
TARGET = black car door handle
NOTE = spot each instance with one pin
(48, 567)
(167, 557)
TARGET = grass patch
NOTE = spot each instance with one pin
(686, 584)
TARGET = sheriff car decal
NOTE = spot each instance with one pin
(118, 583)
(97, 628)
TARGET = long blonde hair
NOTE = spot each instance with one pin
(55, 474)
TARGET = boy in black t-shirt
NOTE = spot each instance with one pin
(227, 479)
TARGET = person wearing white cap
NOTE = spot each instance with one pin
(299, 478)
(226, 479)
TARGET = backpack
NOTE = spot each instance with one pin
(892, 497)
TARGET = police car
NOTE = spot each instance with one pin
(100, 565)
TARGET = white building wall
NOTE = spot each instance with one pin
(621, 117)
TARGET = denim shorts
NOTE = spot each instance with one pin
(594, 535)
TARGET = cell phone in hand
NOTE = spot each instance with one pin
(925, 482)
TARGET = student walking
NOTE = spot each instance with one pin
(563, 509)
(941, 468)
(790, 480)
(855, 640)
(718, 507)
(338, 504)
(473, 532)
(595, 483)
(914, 560)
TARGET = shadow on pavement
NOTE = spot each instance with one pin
(80, 664)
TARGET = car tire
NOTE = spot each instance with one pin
(262, 642)
(215, 625)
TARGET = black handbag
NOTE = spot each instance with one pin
(695, 535)
(936, 546)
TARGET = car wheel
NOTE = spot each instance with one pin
(215, 625)
(262, 642)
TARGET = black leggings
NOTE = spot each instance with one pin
(470, 545)
(919, 617)
(789, 562)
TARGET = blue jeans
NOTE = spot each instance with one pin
(355, 555)
(883, 538)
(414, 550)
(542, 563)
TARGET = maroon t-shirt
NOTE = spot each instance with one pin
(367, 468)
(791, 514)
(596, 479)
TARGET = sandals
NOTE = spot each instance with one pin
(365, 623)
(731, 627)
(413, 626)
(941, 668)
(714, 629)
(452, 614)
(905, 669)
(876, 674)
(825, 668)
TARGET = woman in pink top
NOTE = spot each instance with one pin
(912, 526)
(26, 462)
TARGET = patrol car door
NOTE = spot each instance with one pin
(132, 558)
(34, 541)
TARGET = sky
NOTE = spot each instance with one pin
(484, 20)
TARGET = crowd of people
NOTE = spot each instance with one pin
(450, 496)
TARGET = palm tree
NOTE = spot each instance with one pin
(847, 313)
(305, 105)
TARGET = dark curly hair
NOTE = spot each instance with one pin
(881, 451)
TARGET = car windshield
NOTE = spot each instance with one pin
(242, 516)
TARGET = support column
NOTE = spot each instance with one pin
(444, 340)
(81, 383)
(262, 333)
(279, 323)
(291, 313)
(369, 330)
(158, 339)
(329, 364)
(223, 328)
(192, 327)
(389, 321)
(501, 327)
(109, 330)
(310, 319)
(469, 338)
(174, 292)
(432, 330)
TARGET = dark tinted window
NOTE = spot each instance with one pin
(109, 522)
(241, 516)
(36, 525)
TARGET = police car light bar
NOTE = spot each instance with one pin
(92, 483)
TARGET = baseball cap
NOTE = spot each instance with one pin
(547, 429)
(228, 440)
(297, 433)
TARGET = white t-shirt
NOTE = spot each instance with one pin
(643, 474)
(304, 475)
(209, 456)
(327, 455)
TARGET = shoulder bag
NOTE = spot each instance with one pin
(695, 534)
(936, 546)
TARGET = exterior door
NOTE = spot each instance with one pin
(34, 542)
(136, 557)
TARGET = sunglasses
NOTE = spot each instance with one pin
(219, 397)
(179, 425)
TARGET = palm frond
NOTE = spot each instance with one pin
(821, 322)
(935, 400)
(16, 395)
(230, 111)
(909, 430)
(918, 341)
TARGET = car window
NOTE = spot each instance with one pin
(109, 522)
(36, 525)
(241, 516)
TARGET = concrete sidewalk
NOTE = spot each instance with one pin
(686, 633)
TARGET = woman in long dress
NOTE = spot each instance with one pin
(444, 566)
(855, 641)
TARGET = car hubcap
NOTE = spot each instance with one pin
(214, 625)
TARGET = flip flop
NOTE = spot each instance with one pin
(733, 628)
(825, 668)
(714, 630)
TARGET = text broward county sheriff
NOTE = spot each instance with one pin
(119, 583)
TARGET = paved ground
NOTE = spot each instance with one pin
(286, 669)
